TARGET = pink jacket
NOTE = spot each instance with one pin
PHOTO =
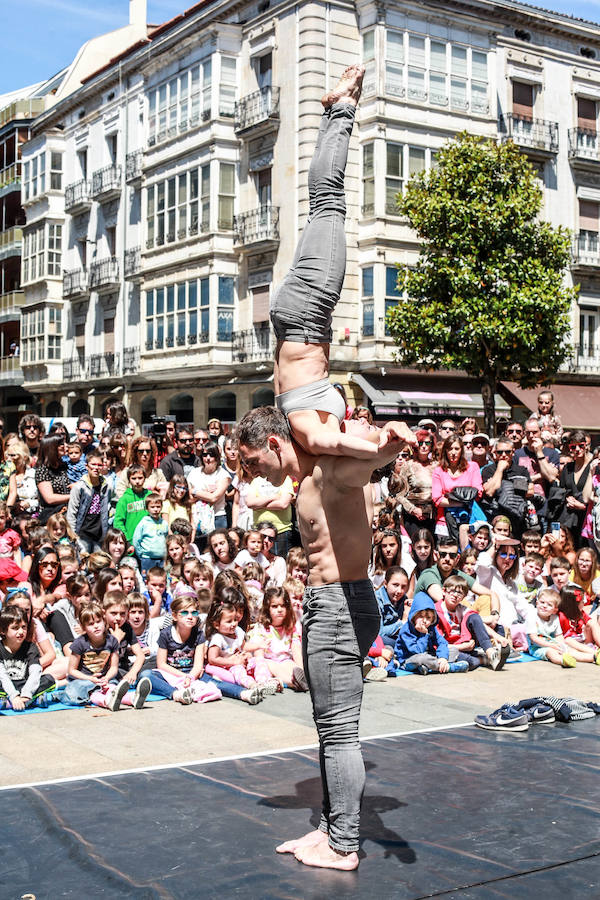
(442, 483)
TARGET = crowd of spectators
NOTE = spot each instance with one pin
(130, 567)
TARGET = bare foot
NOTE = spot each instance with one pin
(325, 857)
(347, 89)
(308, 840)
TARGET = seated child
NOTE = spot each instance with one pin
(60, 531)
(559, 568)
(145, 629)
(149, 537)
(420, 646)
(529, 580)
(196, 574)
(63, 621)
(279, 636)
(393, 604)
(544, 633)
(297, 564)
(581, 633)
(531, 542)
(157, 595)
(76, 466)
(180, 657)
(252, 551)
(22, 684)
(295, 590)
(116, 611)
(10, 540)
(253, 577)
(185, 529)
(176, 550)
(464, 628)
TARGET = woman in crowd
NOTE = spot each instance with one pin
(414, 480)
(454, 471)
(576, 479)
(51, 477)
(143, 451)
(8, 479)
(27, 493)
(45, 578)
(208, 484)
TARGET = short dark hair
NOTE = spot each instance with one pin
(395, 570)
(93, 454)
(134, 467)
(447, 541)
(84, 417)
(12, 615)
(255, 427)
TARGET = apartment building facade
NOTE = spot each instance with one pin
(184, 165)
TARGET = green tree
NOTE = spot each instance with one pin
(487, 295)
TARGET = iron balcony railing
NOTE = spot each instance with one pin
(73, 368)
(584, 144)
(530, 134)
(254, 344)
(102, 365)
(256, 225)
(106, 182)
(75, 282)
(104, 273)
(133, 165)
(131, 360)
(133, 261)
(257, 107)
(78, 196)
(586, 248)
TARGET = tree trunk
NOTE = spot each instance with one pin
(488, 395)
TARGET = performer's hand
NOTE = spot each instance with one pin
(396, 432)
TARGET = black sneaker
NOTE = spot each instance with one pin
(504, 654)
(540, 715)
(507, 718)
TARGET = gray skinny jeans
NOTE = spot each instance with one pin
(302, 306)
(340, 622)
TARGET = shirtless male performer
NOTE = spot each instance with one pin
(340, 613)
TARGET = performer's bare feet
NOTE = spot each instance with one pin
(325, 857)
(348, 88)
(308, 840)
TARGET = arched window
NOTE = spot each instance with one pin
(182, 407)
(148, 410)
(264, 396)
(79, 407)
(222, 405)
(54, 410)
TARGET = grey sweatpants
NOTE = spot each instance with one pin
(302, 306)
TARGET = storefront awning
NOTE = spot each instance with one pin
(389, 399)
(578, 405)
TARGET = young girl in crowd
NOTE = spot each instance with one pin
(279, 634)
(180, 657)
(423, 553)
(388, 553)
(295, 590)
(228, 660)
(69, 561)
(252, 551)
(36, 632)
(585, 570)
(45, 579)
(64, 619)
(22, 683)
(580, 632)
(146, 630)
(131, 577)
(60, 531)
(221, 552)
(176, 547)
(297, 564)
(177, 504)
(10, 540)
(253, 577)
(117, 546)
(107, 579)
(196, 575)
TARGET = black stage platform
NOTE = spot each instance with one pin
(457, 813)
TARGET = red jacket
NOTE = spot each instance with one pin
(444, 625)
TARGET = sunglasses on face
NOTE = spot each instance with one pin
(503, 452)
(189, 612)
(576, 447)
(186, 440)
(447, 554)
(86, 431)
(514, 431)
(269, 538)
(404, 455)
(507, 554)
(144, 450)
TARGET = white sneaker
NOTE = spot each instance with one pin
(270, 687)
(493, 658)
(114, 700)
(143, 688)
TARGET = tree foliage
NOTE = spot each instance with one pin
(487, 295)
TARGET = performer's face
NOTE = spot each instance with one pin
(264, 462)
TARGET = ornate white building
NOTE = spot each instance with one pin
(183, 153)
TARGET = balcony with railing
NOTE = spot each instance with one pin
(22, 109)
(106, 184)
(10, 305)
(73, 369)
(11, 372)
(586, 250)
(584, 148)
(75, 283)
(257, 226)
(256, 109)
(534, 136)
(133, 166)
(104, 274)
(585, 358)
(131, 360)
(133, 263)
(10, 179)
(253, 345)
(11, 242)
(102, 365)
(78, 197)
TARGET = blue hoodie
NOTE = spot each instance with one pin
(411, 642)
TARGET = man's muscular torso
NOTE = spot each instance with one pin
(335, 522)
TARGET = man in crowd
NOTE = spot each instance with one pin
(506, 485)
(542, 463)
(84, 431)
(514, 432)
(445, 429)
(431, 580)
(182, 460)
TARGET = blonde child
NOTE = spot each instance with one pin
(544, 634)
(295, 591)
(176, 549)
(195, 574)
(60, 531)
(280, 636)
(297, 564)
(180, 657)
(253, 577)
(131, 577)
(177, 503)
(228, 659)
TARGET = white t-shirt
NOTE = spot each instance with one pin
(546, 628)
(228, 646)
(204, 481)
(244, 556)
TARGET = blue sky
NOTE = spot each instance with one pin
(40, 37)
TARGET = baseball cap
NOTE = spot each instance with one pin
(481, 436)
(423, 422)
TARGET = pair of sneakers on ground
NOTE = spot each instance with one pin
(513, 718)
